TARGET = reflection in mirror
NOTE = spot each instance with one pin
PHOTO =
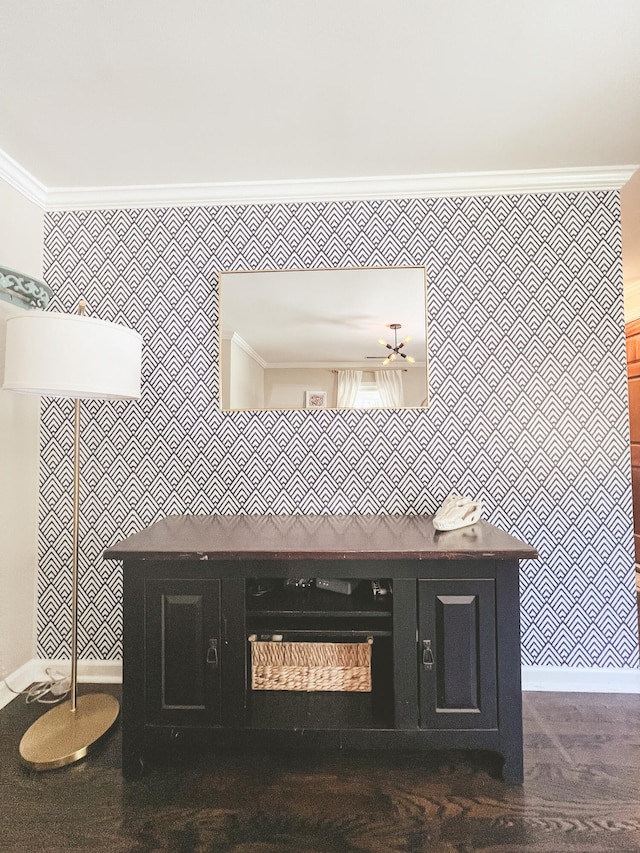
(336, 338)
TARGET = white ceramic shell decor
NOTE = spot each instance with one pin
(457, 511)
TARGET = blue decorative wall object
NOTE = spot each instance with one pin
(23, 290)
(527, 386)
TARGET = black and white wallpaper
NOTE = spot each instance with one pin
(527, 385)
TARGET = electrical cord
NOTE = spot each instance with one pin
(49, 692)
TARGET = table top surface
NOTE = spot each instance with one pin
(328, 537)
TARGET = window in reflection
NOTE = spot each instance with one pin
(368, 396)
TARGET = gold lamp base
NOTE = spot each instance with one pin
(62, 736)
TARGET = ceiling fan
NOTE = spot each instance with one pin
(396, 348)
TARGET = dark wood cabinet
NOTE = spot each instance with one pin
(182, 672)
(457, 650)
(445, 667)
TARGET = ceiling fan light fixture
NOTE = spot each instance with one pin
(395, 349)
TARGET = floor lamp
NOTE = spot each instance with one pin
(79, 357)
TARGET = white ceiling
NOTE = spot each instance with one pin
(327, 318)
(122, 93)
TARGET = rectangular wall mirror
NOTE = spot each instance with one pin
(325, 338)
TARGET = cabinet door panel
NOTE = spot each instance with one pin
(457, 669)
(457, 645)
(182, 628)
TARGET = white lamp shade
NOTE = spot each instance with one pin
(71, 355)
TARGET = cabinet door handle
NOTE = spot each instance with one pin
(212, 653)
(427, 655)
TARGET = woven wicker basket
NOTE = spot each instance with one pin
(277, 665)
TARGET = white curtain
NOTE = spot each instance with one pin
(389, 384)
(348, 385)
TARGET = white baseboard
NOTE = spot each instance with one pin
(534, 678)
(19, 680)
(89, 672)
(574, 679)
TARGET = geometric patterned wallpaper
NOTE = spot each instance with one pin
(527, 387)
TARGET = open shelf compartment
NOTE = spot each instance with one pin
(308, 614)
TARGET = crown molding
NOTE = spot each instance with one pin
(337, 189)
(18, 177)
(366, 367)
(239, 341)
(342, 189)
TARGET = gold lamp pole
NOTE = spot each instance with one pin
(75, 556)
(66, 355)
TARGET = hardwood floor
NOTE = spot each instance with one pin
(581, 794)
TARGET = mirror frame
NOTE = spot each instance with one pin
(228, 272)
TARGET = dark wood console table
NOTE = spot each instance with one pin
(445, 653)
